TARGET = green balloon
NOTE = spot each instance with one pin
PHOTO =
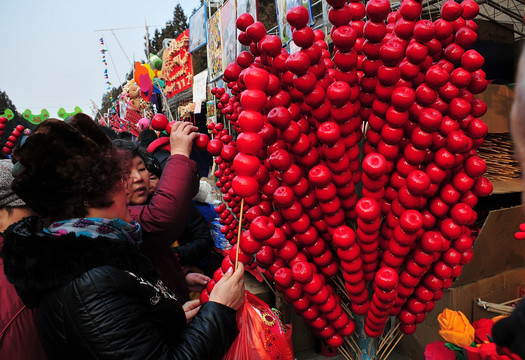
(155, 61)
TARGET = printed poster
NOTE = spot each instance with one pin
(215, 66)
(197, 26)
(199, 86)
(210, 108)
(229, 31)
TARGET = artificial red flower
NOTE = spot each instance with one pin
(489, 351)
(483, 330)
(438, 351)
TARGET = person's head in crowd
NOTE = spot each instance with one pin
(517, 116)
(154, 168)
(146, 137)
(510, 331)
(153, 182)
(71, 169)
(142, 166)
(112, 134)
(126, 135)
(12, 208)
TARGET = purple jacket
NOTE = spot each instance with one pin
(164, 219)
(18, 336)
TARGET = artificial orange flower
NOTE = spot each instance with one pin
(455, 328)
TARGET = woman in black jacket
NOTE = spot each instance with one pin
(79, 265)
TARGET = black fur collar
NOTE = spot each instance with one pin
(36, 262)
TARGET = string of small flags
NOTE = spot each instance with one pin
(106, 76)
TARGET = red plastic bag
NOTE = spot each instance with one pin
(262, 336)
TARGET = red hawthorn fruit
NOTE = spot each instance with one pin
(410, 10)
(338, 93)
(408, 70)
(436, 76)
(388, 75)
(404, 28)
(244, 39)
(345, 61)
(386, 279)
(297, 17)
(262, 228)
(231, 73)
(340, 16)
(443, 29)
(425, 95)
(374, 31)
(159, 122)
(298, 63)
(271, 45)
(392, 52)
(451, 10)
(344, 37)
(402, 98)
(214, 147)
(470, 9)
(244, 59)
(256, 31)
(471, 60)
(424, 31)
(466, 37)
(377, 10)
(201, 141)
(374, 165)
(249, 143)
(243, 21)
(250, 121)
(367, 209)
(252, 99)
(475, 166)
(305, 83)
(244, 186)
(453, 53)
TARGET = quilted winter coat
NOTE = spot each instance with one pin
(100, 298)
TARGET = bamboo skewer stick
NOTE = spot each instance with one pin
(390, 347)
(239, 235)
(349, 343)
(497, 308)
(359, 351)
(345, 308)
(345, 354)
(267, 282)
(387, 336)
(394, 346)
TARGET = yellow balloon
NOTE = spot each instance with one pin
(150, 71)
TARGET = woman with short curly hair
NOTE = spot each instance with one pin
(79, 264)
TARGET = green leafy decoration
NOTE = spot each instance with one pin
(35, 119)
(63, 114)
(9, 114)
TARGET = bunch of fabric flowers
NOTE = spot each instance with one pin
(466, 341)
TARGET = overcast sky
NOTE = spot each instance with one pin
(50, 50)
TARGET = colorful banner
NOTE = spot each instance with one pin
(281, 7)
(214, 46)
(245, 6)
(229, 31)
(177, 69)
(197, 27)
